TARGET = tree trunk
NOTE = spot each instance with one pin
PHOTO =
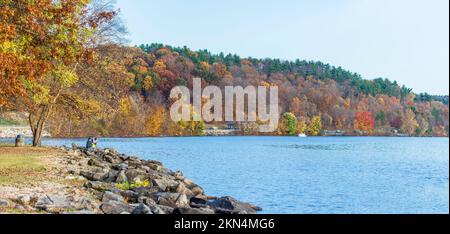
(37, 122)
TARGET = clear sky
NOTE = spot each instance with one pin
(403, 40)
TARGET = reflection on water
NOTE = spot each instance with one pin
(308, 175)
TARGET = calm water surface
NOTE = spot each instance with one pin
(308, 175)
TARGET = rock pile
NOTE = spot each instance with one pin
(129, 185)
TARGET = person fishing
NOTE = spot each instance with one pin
(92, 143)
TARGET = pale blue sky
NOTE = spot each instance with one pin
(403, 40)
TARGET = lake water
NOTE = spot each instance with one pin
(319, 175)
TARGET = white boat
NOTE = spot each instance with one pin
(302, 135)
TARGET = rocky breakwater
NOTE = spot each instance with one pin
(129, 185)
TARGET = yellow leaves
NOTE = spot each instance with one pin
(153, 126)
(159, 65)
(148, 83)
(410, 124)
(267, 84)
(125, 106)
(302, 126)
(315, 126)
(92, 107)
(38, 93)
(65, 77)
(204, 66)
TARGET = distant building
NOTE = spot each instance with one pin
(333, 133)
(231, 125)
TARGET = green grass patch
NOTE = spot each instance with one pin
(7, 122)
(18, 169)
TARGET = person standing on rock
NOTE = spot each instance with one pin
(91, 143)
(94, 142)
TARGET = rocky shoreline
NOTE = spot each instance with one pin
(114, 183)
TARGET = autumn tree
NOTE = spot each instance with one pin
(154, 123)
(289, 124)
(302, 127)
(364, 122)
(315, 126)
(409, 122)
(44, 42)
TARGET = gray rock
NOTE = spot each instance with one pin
(109, 196)
(116, 207)
(129, 195)
(120, 166)
(146, 200)
(135, 174)
(111, 159)
(4, 203)
(165, 184)
(142, 209)
(181, 188)
(155, 167)
(85, 204)
(112, 176)
(161, 209)
(95, 176)
(97, 185)
(121, 177)
(198, 202)
(173, 200)
(158, 210)
(179, 175)
(94, 162)
(23, 199)
(232, 206)
(53, 202)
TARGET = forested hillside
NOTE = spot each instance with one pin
(129, 87)
(63, 63)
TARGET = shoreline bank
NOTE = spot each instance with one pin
(103, 181)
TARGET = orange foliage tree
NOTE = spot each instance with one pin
(42, 43)
(364, 121)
